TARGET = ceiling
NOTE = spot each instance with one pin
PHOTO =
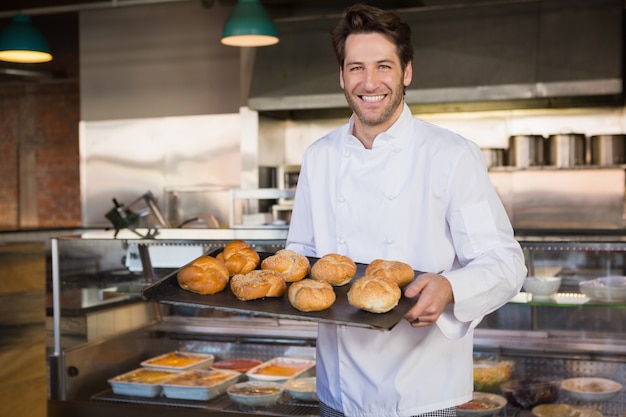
(58, 20)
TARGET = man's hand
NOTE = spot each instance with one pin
(435, 293)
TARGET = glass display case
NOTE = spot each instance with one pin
(103, 327)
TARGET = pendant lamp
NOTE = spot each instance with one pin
(22, 42)
(249, 25)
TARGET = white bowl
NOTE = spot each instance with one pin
(304, 389)
(563, 410)
(591, 389)
(256, 393)
(608, 289)
(542, 288)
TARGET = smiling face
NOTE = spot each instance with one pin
(373, 83)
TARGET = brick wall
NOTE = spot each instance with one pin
(39, 172)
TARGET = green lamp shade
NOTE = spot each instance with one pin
(249, 25)
(22, 42)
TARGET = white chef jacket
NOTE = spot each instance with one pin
(421, 195)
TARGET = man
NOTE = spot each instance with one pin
(389, 186)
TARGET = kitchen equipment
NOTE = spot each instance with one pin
(526, 151)
(494, 157)
(607, 150)
(566, 150)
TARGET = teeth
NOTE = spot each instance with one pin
(372, 99)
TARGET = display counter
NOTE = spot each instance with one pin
(566, 335)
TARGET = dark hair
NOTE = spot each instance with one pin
(361, 18)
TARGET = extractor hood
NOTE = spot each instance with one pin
(479, 55)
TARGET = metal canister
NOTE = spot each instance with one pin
(494, 157)
(607, 150)
(566, 150)
(526, 151)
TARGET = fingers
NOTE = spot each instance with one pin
(435, 293)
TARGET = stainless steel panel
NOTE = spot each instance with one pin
(562, 198)
(126, 158)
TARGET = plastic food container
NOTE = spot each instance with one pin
(199, 384)
(140, 382)
(527, 393)
(490, 373)
(607, 289)
(179, 361)
(281, 369)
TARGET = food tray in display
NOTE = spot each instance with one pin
(304, 389)
(168, 291)
(482, 404)
(179, 361)
(281, 369)
(140, 382)
(238, 364)
(199, 384)
(591, 389)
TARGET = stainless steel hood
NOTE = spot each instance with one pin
(479, 55)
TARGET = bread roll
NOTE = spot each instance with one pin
(205, 275)
(239, 257)
(292, 265)
(257, 284)
(311, 295)
(333, 268)
(400, 272)
(374, 294)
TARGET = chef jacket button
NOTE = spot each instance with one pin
(389, 241)
(391, 197)
(346, 154)
(397, 150)
(341, 242)
(342, 200)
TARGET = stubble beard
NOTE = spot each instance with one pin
(369, 119)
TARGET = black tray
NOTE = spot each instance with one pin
(168, 291)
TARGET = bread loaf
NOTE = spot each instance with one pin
(292, 265)
(400, 272)
(374, 294)
(258, 284)
(205, 275)
(239, 257)
(334, 268)
(311, 295)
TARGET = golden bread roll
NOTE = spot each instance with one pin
(374, 294)
(205, 275)
(258, 284)
(311, 295)
(292, 265)
(333, 268)
(239, 257)
(398, 271)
